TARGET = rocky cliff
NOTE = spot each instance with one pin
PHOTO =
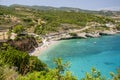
(27, 44)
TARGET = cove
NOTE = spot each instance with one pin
(102, 53)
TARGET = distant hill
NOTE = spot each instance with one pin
(111, 8)
(47, 19)
(70, 9)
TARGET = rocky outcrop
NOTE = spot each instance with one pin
(27, 44)
(93, 35)
(107, 33)
(81, 35)
(117, 31)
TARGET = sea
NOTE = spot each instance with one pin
(102, 53)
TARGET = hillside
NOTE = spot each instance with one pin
(23, 28)
(52, 20)
(70, 9)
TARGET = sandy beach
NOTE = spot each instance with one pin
(42, 48)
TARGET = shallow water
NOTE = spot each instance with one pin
(102, 53)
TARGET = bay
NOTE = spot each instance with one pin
(102, 53)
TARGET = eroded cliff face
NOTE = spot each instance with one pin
(27, 44)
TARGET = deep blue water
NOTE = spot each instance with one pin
(102, 53)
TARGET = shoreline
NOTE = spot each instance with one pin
(48, 44)
(42, 48)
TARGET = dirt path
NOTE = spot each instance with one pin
(79, 30)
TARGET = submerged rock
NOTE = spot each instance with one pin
(108, 63)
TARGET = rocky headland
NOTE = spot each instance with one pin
(27, 44)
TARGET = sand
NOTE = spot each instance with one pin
(42, 48)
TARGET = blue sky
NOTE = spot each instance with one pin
(83, 4)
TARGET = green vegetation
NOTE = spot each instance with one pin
(73, 34)
(40, 29)
(18, 29)
(118, 26)
(21, 60)
(94, 75)
(55, 18)
(52, 74)
(97, 28)
(117, 76)
(18, 65)
(46, 21)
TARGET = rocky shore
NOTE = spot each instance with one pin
(50, 40)
(107, 32)
(91, 35)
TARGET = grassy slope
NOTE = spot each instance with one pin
(52, 18)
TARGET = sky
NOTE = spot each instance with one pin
(82, 4)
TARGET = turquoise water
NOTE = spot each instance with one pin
(102, 53)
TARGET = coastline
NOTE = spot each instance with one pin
(47, 44)
(42, 48)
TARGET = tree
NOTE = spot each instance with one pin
(117, 76)
(7, 73)
(9, 33)
(21, 60)
(60, 66)
(94, 75)
(51, 74)
(18, 29)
